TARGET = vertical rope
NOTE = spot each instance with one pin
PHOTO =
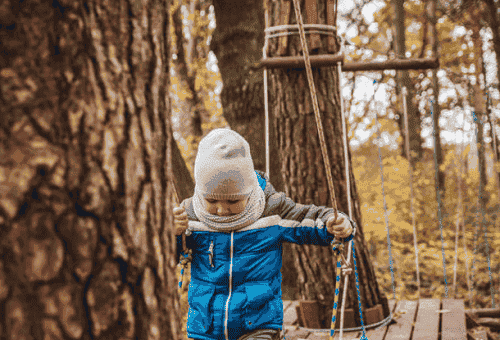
(467, 269)
(363, 337)
(438, 196)
(266, 102)
(412, 196)
(391, 264)
(337, 249)
(459, 212)
(349, 199)
(314, 99)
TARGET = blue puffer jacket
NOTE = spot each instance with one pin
(235, 276)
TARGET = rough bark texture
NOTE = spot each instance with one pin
(302, 164)
(237, 42)
(403, 80)
(85, 141)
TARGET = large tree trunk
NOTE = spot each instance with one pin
(237, 42)
(85, 239)
(403, 80)
(302, 165)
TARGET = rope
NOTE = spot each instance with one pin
(314, 98)
(282, 34)
(326, 159)
(384, 200)
(438, 195)
(363, 337)
(266, 102)
(337, 247)
(381, 323)
(459, 212)
(186, 253)
(318, 27)
(349, 198)
(412, 196)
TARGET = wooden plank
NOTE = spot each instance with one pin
(427, 324)
(379, 333)
(290, 314)
(326, 336)
(401, 330)
(453, 320)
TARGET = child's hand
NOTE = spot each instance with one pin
(341, 228)
(180, 220)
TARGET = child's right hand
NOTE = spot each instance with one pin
(180, 220)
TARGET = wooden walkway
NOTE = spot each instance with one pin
(426, 319)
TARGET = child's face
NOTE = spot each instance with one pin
(225, 207)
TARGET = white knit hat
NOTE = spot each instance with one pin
(224, 168)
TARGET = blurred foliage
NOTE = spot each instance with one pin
(397, 195)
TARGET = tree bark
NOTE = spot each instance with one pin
(237, 42)
(403, 80)
(86, 241)
(302, 166)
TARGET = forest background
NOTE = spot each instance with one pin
(467, 83)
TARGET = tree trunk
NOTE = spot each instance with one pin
(480, 108)
(187, 75)
(85, 240)
(436, 109)
(237, 42)
(492, 13)
(403, 80)
(302, 165)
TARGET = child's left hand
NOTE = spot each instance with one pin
(341, 228)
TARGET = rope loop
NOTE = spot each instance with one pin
(284, 30)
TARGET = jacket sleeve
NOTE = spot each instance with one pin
(309, 231)
(279, 204)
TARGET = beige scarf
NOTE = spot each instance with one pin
(253, 211)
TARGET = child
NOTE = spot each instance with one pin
(237, 223)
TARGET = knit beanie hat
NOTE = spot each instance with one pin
(223, 168)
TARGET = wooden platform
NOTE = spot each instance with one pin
(426, 319)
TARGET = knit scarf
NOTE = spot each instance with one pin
(253, 211)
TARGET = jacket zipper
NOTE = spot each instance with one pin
(226, 333)
(211, 254)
